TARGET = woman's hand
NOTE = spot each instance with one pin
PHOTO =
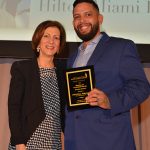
(21, 147)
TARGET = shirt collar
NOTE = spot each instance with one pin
(93, 42)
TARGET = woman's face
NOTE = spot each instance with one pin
(50, 42)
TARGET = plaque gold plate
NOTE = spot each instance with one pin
(79, 82)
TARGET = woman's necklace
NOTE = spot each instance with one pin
(47, 72)
(42, 64)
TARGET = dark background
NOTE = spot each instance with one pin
(23, 49)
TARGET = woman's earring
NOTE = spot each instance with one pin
(38, 49)
(57, 52)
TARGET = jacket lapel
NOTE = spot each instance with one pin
(72, 59)
(36, 84)
(100, 48)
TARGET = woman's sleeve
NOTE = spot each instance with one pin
(15, 100)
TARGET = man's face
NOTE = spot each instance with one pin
(86, 21)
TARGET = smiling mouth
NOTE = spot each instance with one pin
(83, 28)
(49, 47)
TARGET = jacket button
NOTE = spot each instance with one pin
(77, 116)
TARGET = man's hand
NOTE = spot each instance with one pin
(98, 98)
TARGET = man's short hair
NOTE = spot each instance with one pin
(76, 2)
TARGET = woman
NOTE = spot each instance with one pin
(35, 101)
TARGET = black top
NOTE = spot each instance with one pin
(25, 104)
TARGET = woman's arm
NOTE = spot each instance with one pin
(15, 100)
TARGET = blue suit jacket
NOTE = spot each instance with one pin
(119, 73)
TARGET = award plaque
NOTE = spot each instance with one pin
(79, 82)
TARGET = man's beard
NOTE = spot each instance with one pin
(88, 36)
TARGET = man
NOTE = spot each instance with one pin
(120, 84)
